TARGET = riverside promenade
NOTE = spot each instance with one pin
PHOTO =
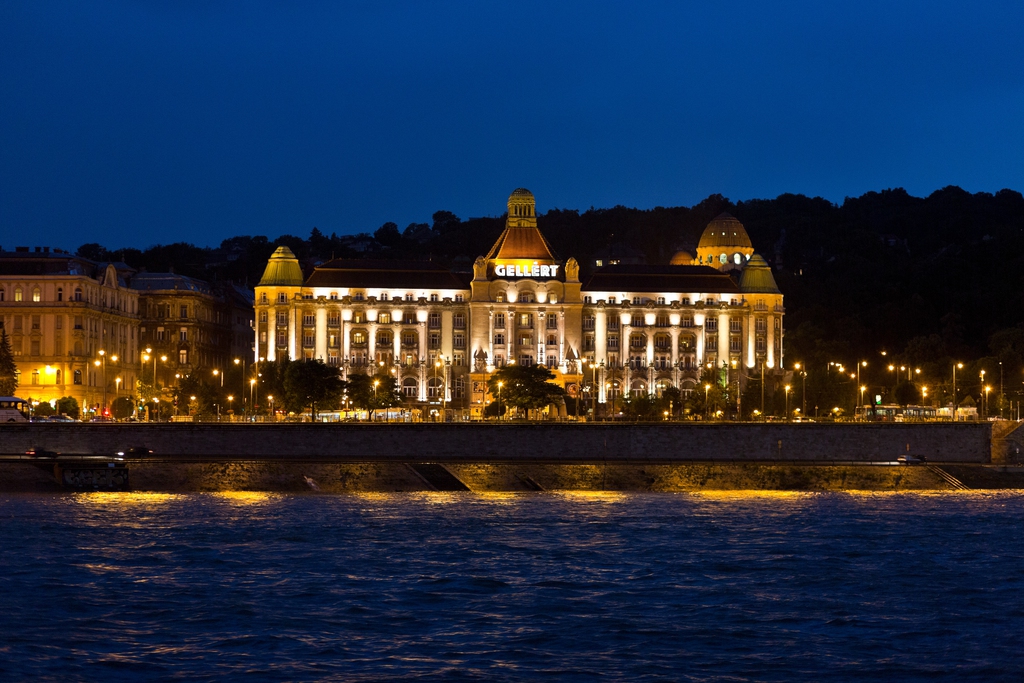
(514, 442)
(509, 457)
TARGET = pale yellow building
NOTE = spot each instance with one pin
(73, 326)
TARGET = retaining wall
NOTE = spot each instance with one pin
(538, 442)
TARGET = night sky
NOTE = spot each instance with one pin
(136, 123)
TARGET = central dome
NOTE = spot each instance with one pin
(725, 244)
(521, 192)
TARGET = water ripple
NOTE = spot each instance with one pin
(644, 587)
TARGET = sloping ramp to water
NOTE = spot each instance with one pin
(948, 478)
(438, 477)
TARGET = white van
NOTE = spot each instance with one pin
(13, 409)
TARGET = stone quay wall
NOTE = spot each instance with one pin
(515, 442)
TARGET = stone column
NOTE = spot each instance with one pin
(293, 332)
(698, 322)
(600, 335)
(490, 337)
(770, 351)
(723, 338)
(371, 344)
(749, 336)
(321, 333)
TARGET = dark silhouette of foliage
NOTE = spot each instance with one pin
(8, 368)
(525, 387)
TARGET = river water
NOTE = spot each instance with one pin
(468, 587)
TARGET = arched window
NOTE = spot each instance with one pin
(37, 294)
(17, 293)
(78, 293)
(60, 295)
(410, 387)
(434, 387)
(2, 294)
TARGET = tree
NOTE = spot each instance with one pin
(68, 405)
(388, 236)
(313, 384)
(122, 407)
(525, 387)
(8, 368)
(906, 393)
(370, 392)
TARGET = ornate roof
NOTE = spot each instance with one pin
(681, 258)
(724, 231)
(630, 278)
(386, 274)
(757, 277)
(522, 242)
(282, 270)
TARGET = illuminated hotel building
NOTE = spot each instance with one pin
(628, 329)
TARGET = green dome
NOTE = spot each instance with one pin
(757, 278)
(282, 270)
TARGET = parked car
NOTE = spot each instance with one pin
(39, 452)
(910, 460)
(134, 452)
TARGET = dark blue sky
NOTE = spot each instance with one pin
(132, 123)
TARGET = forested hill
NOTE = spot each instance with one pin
(929, 279)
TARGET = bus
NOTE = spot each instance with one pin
(896, 413)
(13, 409)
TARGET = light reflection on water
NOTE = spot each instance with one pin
(567, 586)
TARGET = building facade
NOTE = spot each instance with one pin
(188, 325)
(73, 326)
(92, 330)
(628, 329)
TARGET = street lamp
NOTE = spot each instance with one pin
(500, 385)
(221, 374)
(862, 390)
(230, 402)
(985, 415)
(270, 398)
(103, 356)
(955, 366)
(373, 411)
(707, 388)
(803, 384)
(242, 362)
(787, 402)
(253, 394)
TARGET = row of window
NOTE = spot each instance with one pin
(282, 297)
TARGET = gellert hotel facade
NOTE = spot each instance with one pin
(627, 330)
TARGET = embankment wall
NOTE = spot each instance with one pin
(496, 443)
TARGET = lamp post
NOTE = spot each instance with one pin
(221, 374)
(103, 357)
(707, 388)
(444, 394)
(861, 364)
(270, 397)
(787, 402)
(862, 390)
(231, 400)
(500, 385)
(803, 380)
(373, 411)
(955, 366)
(985, 412)
(242, 361)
